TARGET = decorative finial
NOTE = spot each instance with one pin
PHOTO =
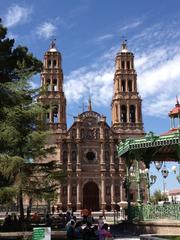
(124, 45)
(177, 101)
(53, 43)
(89, 105)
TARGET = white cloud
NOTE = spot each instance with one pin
(97, 82)
(157, 61)
(131, 25)
(16, 14)
(159, 106)
(163, 77)
(104, 37)
(46, 30)
(159, 77)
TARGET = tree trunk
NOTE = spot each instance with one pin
(21, 205)
(29, 208)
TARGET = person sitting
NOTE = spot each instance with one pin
(71, 231)
(78, 230)
(88, 233)
(104, 233)
(100, 222)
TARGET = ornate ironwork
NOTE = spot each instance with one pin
(152, 212)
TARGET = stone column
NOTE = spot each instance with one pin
(59, 113)
(60, 155)
(69, 163)
(128, 113)
(102, 162)
(69, 188)
(78, 165)
(121, 197)
(57, 77)
(133, 86)
(78, 132)
(137, 114)
(51, 83)
(112, 156)
(102, 130)
(78, 200)
(119, 113)
(126, 83)
(112, 192)
(103, 203)
(59, 202)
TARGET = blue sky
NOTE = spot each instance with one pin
(89, 34)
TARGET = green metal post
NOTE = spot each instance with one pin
(138, 183)
(128, 188)
(148, 186)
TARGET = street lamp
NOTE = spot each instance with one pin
(165, 171)
(150, 180)
(158, 165)
(174, 169)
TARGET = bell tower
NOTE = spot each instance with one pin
(126, 102)
(52, 84)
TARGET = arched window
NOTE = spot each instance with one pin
(130, 85)
(54, 84)
(116, 190)
(106, 156)
(128, 65)
(54, 63)
(122, 64)
(64, 157)
(123, 114)
(64, 190)
(55, 114)
(49, 63)
(47, 114)
(74, 156)
(123, 85)
(132, 114)
(82, 133)
(48, 83)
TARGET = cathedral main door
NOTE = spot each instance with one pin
(91, 196)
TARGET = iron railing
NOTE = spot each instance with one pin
(154, 212)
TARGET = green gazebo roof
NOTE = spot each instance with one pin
(165, 147)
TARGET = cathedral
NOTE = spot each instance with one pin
(87, 149)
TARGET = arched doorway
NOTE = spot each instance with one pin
(91, 196)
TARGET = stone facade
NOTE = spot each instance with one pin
(87, 150)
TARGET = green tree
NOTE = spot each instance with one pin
(22, 131)
(158, 196)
